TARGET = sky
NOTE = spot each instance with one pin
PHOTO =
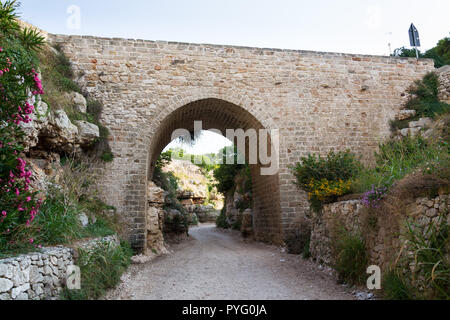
(208, 142)
(347, 26)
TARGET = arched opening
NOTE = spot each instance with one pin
(222, 115)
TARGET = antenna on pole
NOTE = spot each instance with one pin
(414, 39)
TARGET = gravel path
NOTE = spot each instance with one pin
(216, 264)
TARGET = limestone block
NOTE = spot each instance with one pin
(87, 132)
(5, 285)
(79, 101)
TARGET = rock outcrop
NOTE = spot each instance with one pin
(78, 101)
(155, 218)
(444, 80)
(53, 131)
(195, 194)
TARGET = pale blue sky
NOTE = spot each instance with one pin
(349, 26)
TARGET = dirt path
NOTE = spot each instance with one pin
(219, 265)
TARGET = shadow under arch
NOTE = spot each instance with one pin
(222, 115)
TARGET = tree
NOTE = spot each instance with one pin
(440, 54)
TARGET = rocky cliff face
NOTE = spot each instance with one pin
(155, 218)
(52, 131)
(196, 192)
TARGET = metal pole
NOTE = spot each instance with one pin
(417, 53)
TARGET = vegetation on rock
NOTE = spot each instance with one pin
(424, 100)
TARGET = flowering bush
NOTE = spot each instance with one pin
(326, 179)
(324, 190)
(19, 85)
(372, 198)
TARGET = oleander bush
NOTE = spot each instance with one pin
(19, 86)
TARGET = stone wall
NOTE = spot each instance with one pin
(380, 230)
(318, 101)
(36, 276)
(155, 218)
(40, 275)
(444, 79)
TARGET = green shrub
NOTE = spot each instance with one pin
(440, 53)
(227, 171)
(101, 270)
(350, 257)
(222, 221)
(107, 156)
(395, 287)
(336, 166)
(424, 97)
(325, 179)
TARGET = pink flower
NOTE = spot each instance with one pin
(4, 213)
(31, 240)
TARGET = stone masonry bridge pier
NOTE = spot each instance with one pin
(318, 101)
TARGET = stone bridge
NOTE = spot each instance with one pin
(319, 101)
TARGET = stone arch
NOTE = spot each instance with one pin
(224, 112)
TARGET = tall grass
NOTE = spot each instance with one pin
(398, 158)
(430, 247)
(101, 270)
(350, 257)
(396, 287)
(427, 262)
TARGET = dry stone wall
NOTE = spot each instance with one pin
(381, 231)
(444, 79)
(41, 275)
(319, 101)
(37, 276)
